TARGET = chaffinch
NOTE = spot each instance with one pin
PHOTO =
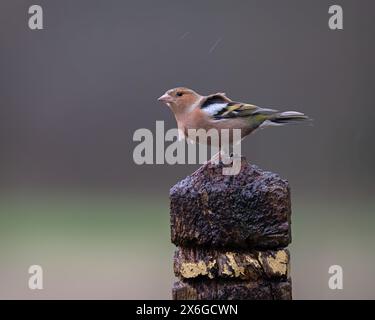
(194, 111)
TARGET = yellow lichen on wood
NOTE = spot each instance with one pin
(279, 263)
(210, 266)
(238, 271)
(252, 261)
(193, 270)
(230, 264)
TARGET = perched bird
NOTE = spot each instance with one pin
(217, 111)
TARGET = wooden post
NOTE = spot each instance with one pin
(231, 233)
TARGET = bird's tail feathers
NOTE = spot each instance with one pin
(287, 117)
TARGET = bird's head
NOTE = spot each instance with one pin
(180, 99)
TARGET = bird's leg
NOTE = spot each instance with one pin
(222, 156)
(215, 158)
(235, 150)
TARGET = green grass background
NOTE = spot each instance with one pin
(118, 247)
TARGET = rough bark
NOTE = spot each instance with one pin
(231, 290)
(250, 210)
(231, 233)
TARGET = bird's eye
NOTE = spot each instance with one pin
(179, 94)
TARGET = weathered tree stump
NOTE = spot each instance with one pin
(230, 233)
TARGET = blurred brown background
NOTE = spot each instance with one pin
(72, 95)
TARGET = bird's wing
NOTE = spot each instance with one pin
(235, 110)
(214, 103)
(219, 107)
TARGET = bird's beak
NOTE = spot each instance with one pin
(166, 98)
